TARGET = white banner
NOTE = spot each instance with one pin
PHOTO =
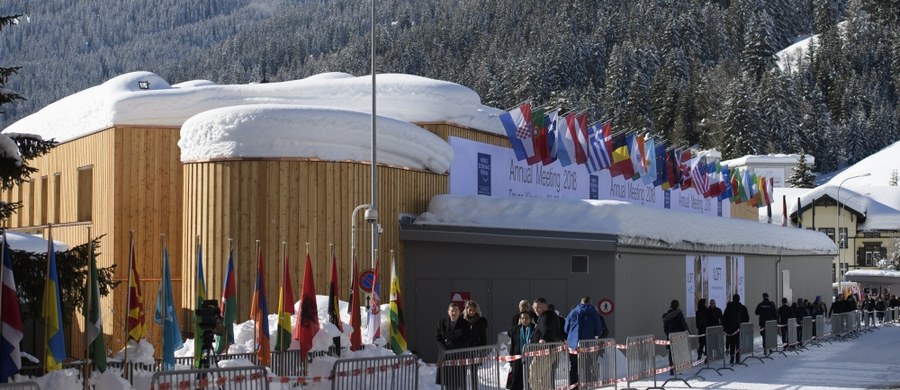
(483, 169)
(712, 277)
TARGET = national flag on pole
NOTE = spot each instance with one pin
(136, 315)
(555, 138)
(699, 175)
(660, 164)
(550, 130)
(517, 123)
(398, 328)
(285, 307)
(228, 306)
(714, 180)
(578, 130)
(10, 320)
(308, 323)
(166, 317)
(539, 140)
(259, 312)
(799, 214)
(621, 162)
(684, 166)
(636, 153)
(784, 210)
(374, 324)
(649, 177)
(334, 310)
(671, 171)
(355, 316)
(600, 146)
(727, 190)
(55, 349)
(92, 315)
(200, 286)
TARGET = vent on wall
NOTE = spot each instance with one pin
(580, 264)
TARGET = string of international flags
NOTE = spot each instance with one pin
(304, 330)
(540, 135)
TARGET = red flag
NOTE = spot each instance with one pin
(136, 315)
(259, 312)
(334, 311)
(355, 316)
(308, 323)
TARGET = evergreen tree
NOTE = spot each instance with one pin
(741, 125)
(893, 180)
(802, 176)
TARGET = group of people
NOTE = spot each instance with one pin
(710, 315)
(534, 322)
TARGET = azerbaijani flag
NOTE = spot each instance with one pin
(259, 312)
(136, 315)
(308, 323)
(200, 285)
(398, 328)
(285, 308)
(55, 349)
(228, 306)
(10, 320)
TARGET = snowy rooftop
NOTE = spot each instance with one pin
(879, 165)
(635, 226)
(880, 205)
(781, 159)
(121, 101)
(32, 243)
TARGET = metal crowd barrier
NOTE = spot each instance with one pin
(377, 373)
(792, 333)
(806, 331)
(745, 343)
(596, 363)
(715, 349)
(641, 357)
(475, 368)
(20, 386)
(546, 366)
(680, 348)
(770, 339)
(839, 325)
(235, 378)
(820, 329)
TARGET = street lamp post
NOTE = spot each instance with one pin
(838, 232)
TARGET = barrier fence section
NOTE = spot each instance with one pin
(641, 357)
(770, 339)
(680, 348)
(792, 333)
(234, 378)
(806, 330)
(596, 363)
(820, 328)
(474, 368)
(378, 373)
(20, 386)
(546, 366)
(745, 342)
(715, 349)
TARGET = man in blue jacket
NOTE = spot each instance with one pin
(582, 323)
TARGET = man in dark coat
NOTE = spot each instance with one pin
(547, 330)
(766, 311)
(673, 322)
(735, 314)
(452, 333)
(784, 312)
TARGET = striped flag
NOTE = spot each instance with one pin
(517, 123)
(92, 314)
(228, 306)
(578, 132)
(373, 326)
(259, 312)
(55, 349)
(599, 146)
(166, 316)
(200, 285)
(398, 328)
(136, 315)
(308, 323)
(285, 307)
(10, 320)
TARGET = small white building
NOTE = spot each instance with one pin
(777, 166)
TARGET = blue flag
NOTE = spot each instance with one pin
(166, 317)
(55, 351)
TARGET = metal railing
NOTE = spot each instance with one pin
(474, 368)
(546, 366)
(596, 363)
(792, 341)
(806, 330)
(20, 386)
(233, 378)
(715, 349)
(680, 350)
(745, 343)
(378, 373)
(640, 356)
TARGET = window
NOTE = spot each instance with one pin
(828, 232)
(57, 191)
(45, 194)
(579, 264)
(843, 234)
(29, 198)
(871, 234)
(85, 193)
(872, 252)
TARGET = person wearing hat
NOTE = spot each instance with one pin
(766, 311)
(735, 314)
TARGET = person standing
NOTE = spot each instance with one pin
(582, 323)
(700, 320)
(673, 322)
(525, 306)
(519, 335)
(546, 331)
(452, 333)
(477, 334)
(766, 311)
(784, 313)
(713, 314)
(735, 314)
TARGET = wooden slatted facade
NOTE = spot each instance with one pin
(137, 182)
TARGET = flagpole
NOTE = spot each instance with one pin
(128, 302)
(281, 299)
(88, 300)
(46, 291)
(255, 298)
(3, 266)
(234, 269)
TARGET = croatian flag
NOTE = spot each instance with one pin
(517, 123)
(10, 354)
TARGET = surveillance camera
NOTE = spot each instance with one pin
(618, 255)
(371, 215)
